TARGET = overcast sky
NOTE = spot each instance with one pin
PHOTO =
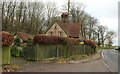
(106, 11)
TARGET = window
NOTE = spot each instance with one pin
(55, 27)
(60, 33)
(51, 33)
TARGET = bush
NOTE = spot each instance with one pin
(7, 39)
(16, 51)
(89, 42)
(17, 41)
(21, 53)
(29, 42)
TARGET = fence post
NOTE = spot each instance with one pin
(57, 50)
(36, 52)
(83, 48)
(66, 51)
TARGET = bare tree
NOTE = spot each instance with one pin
(103, 34)
(109, 37)
(97, 32)
(22, 16)
(6, 14)
(77, 11)
(51, 11)
(36, 15)
(91, 26)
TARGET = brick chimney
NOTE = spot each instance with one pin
(64, 17)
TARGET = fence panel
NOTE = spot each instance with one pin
(40, 52)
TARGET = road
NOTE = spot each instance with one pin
(110, 59)
(95, 64)
(108, 63)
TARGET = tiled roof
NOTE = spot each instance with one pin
(72, 28)
(24, 36)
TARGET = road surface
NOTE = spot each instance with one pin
(95, 65)
(108, 63)
(110, 59)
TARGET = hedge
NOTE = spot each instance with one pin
(7, 39)
(38, 39)
(41, 39)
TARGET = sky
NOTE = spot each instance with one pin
(106, 11)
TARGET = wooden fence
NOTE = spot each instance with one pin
(40, 52)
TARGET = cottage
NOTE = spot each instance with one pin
(64, 29)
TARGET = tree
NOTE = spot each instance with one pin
(36, 15)
(22, 16)
(5, 15)
(98, 28)
(110, 36)
(77, 14)
(51, 11)
(88, 23)
(77, 11)
(103, 34)
(91, 24)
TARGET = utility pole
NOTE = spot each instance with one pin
(68, 10)
(68, 7)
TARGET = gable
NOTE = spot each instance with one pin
(56, 28)
(70, 29)
(18, 37)
(23, 36)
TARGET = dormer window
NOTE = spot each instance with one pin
(55, 27)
